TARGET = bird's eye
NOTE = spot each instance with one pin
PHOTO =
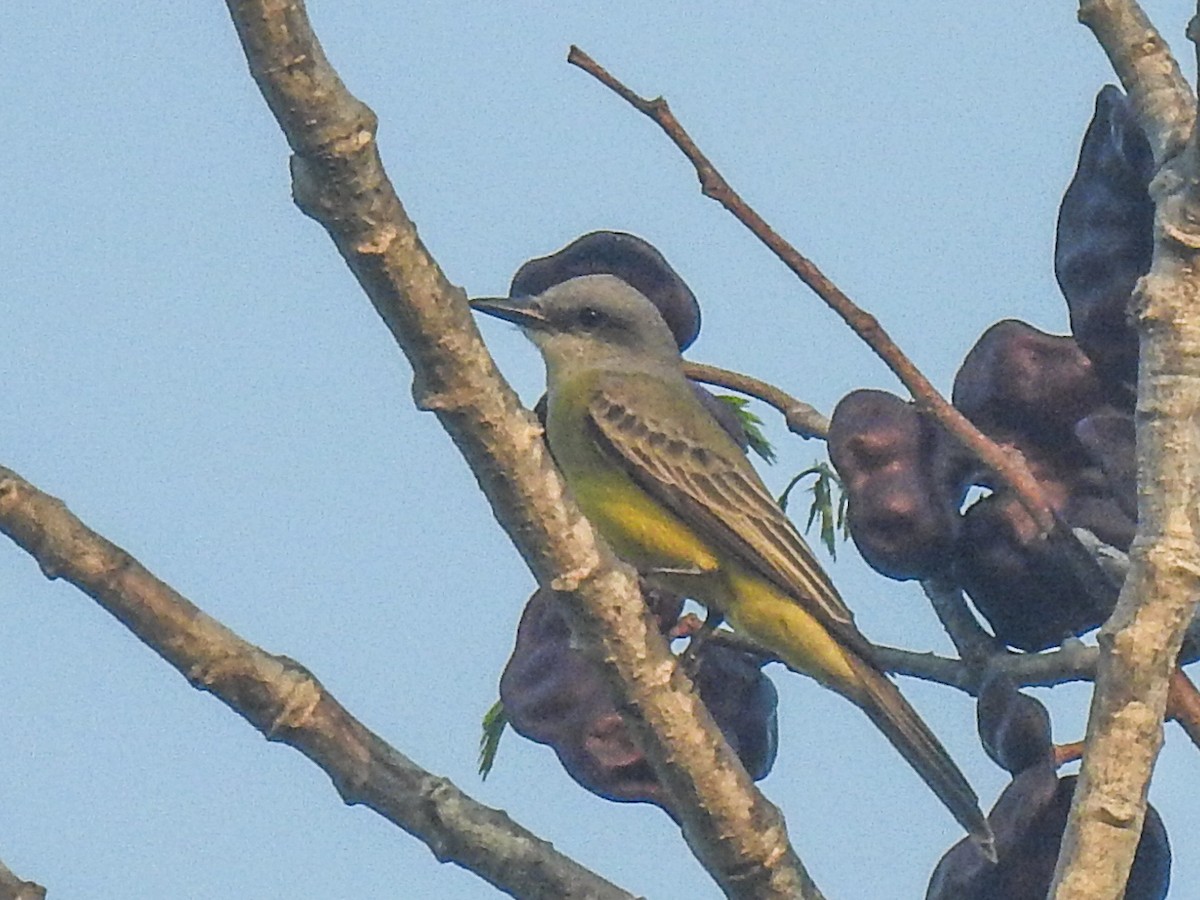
(590, 317)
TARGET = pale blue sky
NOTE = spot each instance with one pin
(189, 364)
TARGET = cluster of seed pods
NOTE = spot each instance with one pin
(1065, 402)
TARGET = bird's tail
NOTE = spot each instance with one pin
(892, 714)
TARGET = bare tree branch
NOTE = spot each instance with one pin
(338, 179)
(1183, 705)
(1074, 661)
(286, 703)
(1140, 643)
(801, 418)
(13, 888)
(974, 645)
(1161, 97)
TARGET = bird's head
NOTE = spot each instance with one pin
(593, 321)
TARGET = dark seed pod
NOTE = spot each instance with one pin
(1100, 513)
(554, 695)
(742, 701)
(1031, 390)
(628, 257)
(1109, 439)
(963, 873)
(1105, 235)
(1014, 728)
(1026, 591)
(903, 499)
(1028, 821)
(1021, 381)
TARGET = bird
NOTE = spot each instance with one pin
(675, 497)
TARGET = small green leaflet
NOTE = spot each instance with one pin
(823, 504)
(751, 424)
(494, 723)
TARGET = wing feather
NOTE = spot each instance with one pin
(699, 473)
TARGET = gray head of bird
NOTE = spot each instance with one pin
(590, 322)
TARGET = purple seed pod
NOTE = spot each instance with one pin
(1028, 821)
(1106, 236)
(1108, 437)
(555, 695)
(742, 701)
(964, 874)
(626, 256)
(1102, 514)
(1029, 594)
(1014, 728)
(1019, 380)
(903, 496)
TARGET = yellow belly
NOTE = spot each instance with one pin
(640, 530)
(763, 613)
(649, 537)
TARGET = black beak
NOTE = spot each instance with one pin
(520, 310)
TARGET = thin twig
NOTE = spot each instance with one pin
(1073, 661)
(1008, 464)
(974, 645)
(801, 418)
(1183, 705)
(1068, 753)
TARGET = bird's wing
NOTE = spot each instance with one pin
(694, 469)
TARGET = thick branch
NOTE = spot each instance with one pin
(13, 888)
(338, 179)
(1140, 643)
(1161, 98)
(286, 703)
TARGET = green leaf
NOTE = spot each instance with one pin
(832, 514)
(494, 723)
(751, 424)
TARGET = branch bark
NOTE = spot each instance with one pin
(13, 888)
(1151, 77)
(287, 703)
(1074, 661)
(1141, 641)
(338, 180)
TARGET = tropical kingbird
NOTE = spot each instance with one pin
(676, 498)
